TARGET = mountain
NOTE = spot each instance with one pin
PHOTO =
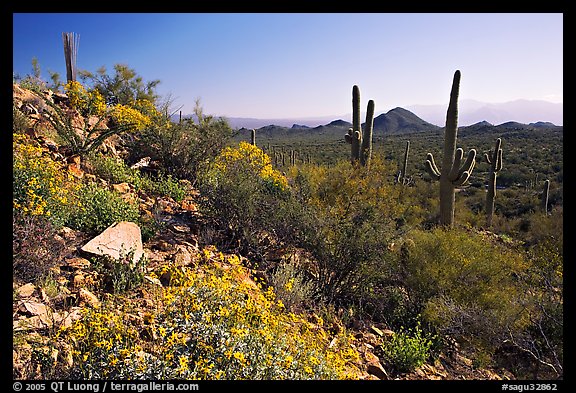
(472, 111)
(400, 120)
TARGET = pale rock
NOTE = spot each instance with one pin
(78, 263)
(122, 188)
(33, 308)
(89, 297)
(117, 241)
(25, 290)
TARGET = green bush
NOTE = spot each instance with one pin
(115, 170)
(99, 208)
(408, 349)
(183, 149)
(467, 285)
(123, 274)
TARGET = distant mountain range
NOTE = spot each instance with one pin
(395, 121)
(469, 112)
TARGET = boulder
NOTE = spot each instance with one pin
(117, 241)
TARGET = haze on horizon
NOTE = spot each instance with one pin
(298, 65)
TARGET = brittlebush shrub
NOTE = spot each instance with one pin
(347, 226)
(466, 284)
(212, 323)
(40, 186)
(243, 193)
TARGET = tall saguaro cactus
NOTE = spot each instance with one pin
(405, 165)
(544, 200)
(454, 173)
(495, 166)
(366, 145)
(71, 41)
(361, 142)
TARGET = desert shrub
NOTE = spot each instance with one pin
(183, 149)
(122, 274)
(34, 247)
(20, 122)
(115, 170)
(40, 186)
(123, 87)
(99, 208)
(292, 286)
(211, 324)
(244, 194)
(347, 226)
(466, 284)
(407, 349)
(542, 340)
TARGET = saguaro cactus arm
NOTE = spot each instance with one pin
(431, 167)
(465, 170)
(496, 161)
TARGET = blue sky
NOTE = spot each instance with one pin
(288, 65)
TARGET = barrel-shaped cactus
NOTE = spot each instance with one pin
(360, 141)
(453, 173)
(495, 163)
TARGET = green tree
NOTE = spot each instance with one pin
(124, 86)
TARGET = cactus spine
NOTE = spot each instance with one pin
(253, 137)
(545, 192)
(453, 173)
(495, 166)
(361, 142)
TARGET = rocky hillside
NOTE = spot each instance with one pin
(118, 304)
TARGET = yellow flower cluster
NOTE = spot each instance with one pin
(87, 102)
(255, 159)
(127, 116)
(39, 183)
(147, 108)
(214, 322)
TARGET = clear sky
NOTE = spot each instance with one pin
(288, 65)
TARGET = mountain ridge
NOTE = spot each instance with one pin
(395, 121)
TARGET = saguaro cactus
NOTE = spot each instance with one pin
(545, 192)
(354, 136)
(366, 145)
(453, 173)
(361, 141)
(495, 166)
(70, 54)
(253, 137)
(405, 165)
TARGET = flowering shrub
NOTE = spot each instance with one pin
(129, 117)
(249, 158)
(213, 323)
(86, 102)
(40, 186)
